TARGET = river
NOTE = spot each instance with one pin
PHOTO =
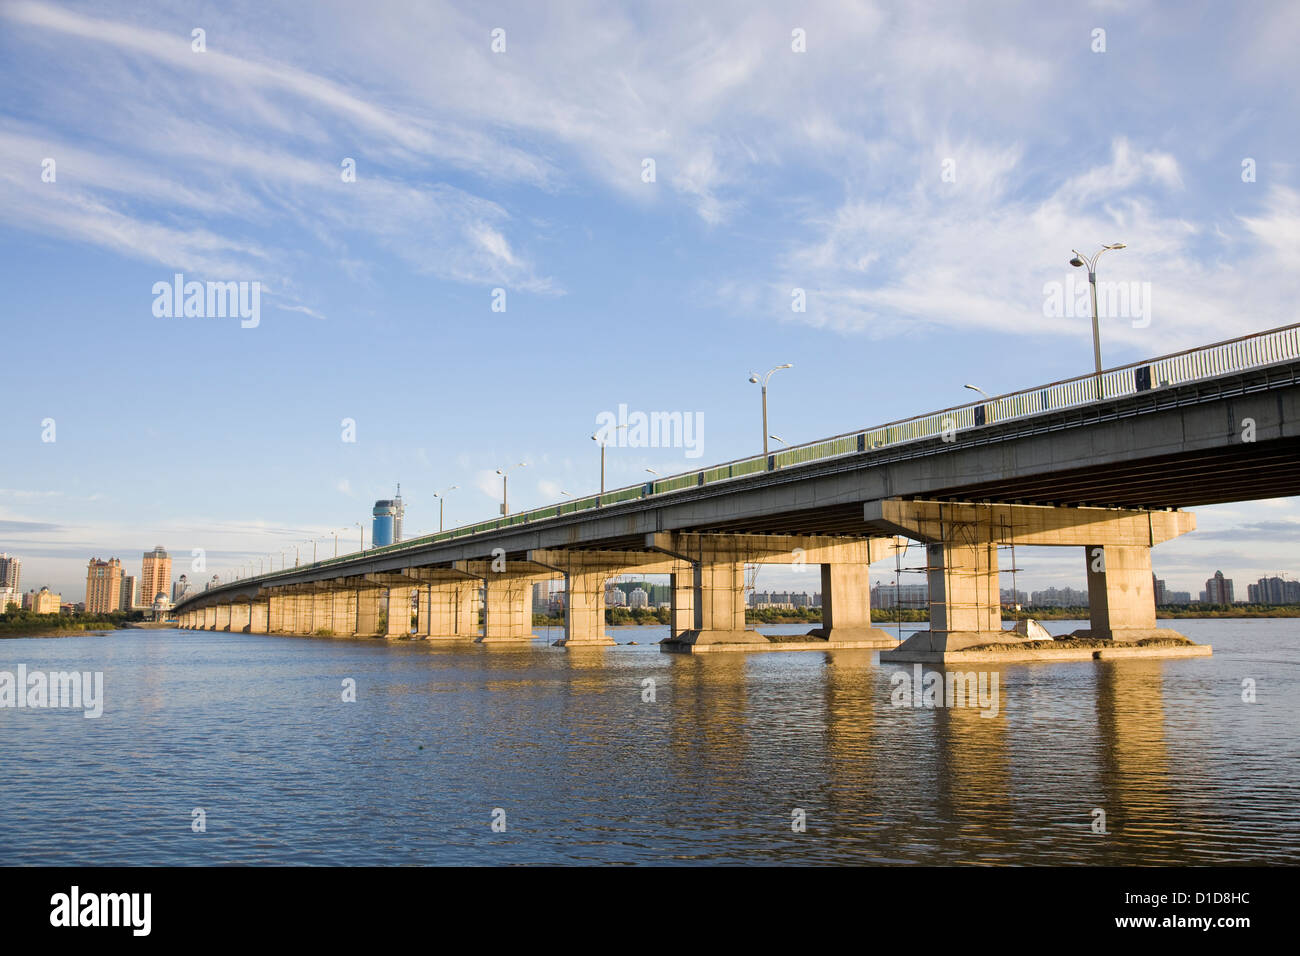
(629, 755)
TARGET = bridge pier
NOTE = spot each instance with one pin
(240, 616)
(258, 617)
(962, 541)
(368, 599)
(507, 599)
(585, 574)
(1121, 597)
(399, 610)
(709, 601)
(223, 618)
(448, 604)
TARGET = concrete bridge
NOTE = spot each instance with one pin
(1101, 463)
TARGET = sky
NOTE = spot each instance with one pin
(464, 257)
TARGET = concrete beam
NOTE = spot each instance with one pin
(1030, 525)
(775, 548)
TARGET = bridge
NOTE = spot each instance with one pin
(1105, 463)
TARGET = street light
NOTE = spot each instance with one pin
(504, 472)
(753, 377)
(1079, 261)
(652, 471)
(976, 388)
(596, 438)
(358, 524)
(441, 495)
(778, 438)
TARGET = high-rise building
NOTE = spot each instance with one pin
(103, 586)
(130, 592)
(155, 576)
(180, 589)
(639, 597)
(387, 526)
(1158, 589)
(1218, 589)
(1274, 590)
(10, 572)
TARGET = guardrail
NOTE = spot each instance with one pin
(1202, 363)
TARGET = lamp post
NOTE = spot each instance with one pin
(976, 388)
(441, 496)
(504, 473)
(1079, 261)
(358, 524)
(596, 438)
(753, 377)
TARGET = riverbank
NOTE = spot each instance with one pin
(27, 624)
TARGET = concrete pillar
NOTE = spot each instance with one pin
(322, 612)
(720, 601)
(343, 612)
(223, 617)
(240, 615)
(846, 605)
(584, 608)
(367, 611)
(1121, 598)
(210, 618)
(681, 616)
(399, 610)
(259, 618)
(964, 593)
(296, 620)
(276, 622)
(508, 608)
(585, 574)
(449, 610)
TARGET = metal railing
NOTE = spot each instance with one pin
(1197, 364)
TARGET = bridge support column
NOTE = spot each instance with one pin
(681, 615)
(507, 598)
(846, 606)
(713, 612)
(342, 612)
(399, 611)
(1121, 598)
(275, 606)
(258, 617)
(962, 541)
(368, 600)
(240, 615)
(223, 618)
(298, 613)
(322, 611)
(448, 606)
(585, 574)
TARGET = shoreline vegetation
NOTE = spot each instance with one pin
(20, 623)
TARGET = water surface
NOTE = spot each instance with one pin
(253, 731)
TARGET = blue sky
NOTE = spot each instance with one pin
(921, 173)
